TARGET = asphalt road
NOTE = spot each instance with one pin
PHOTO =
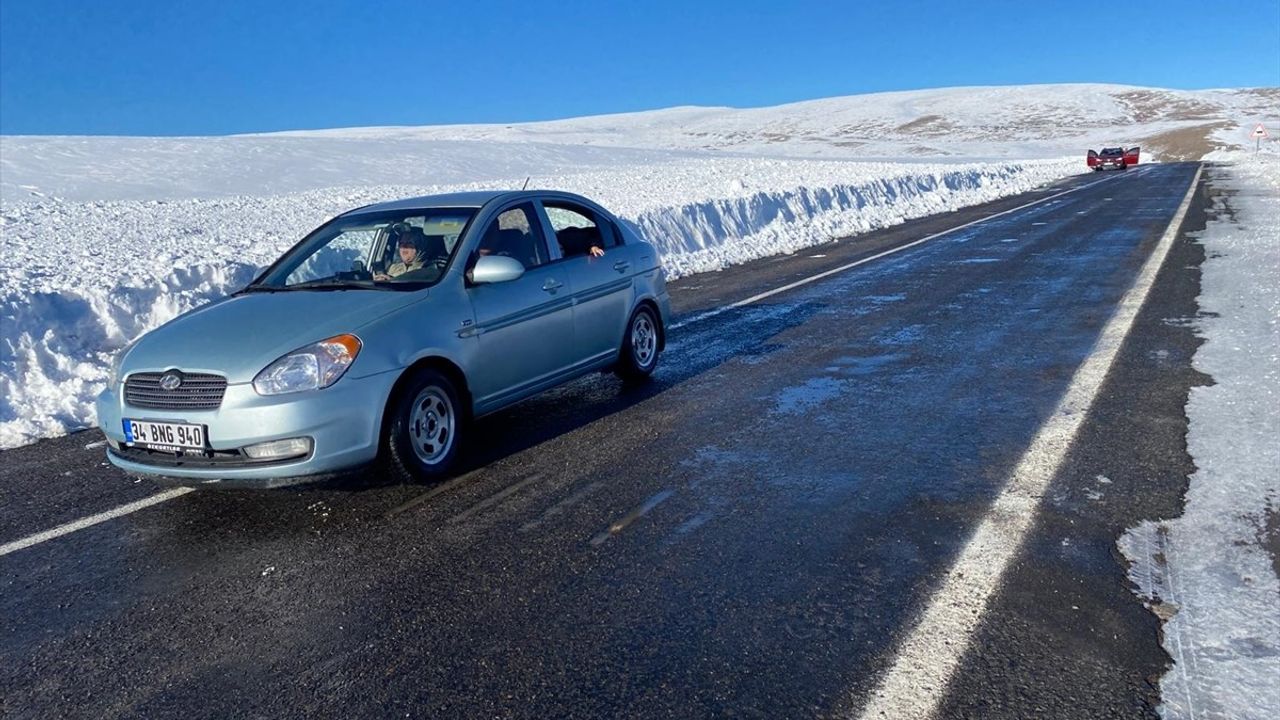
(749, 535)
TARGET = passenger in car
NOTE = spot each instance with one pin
(580, 241)
(512, 243)
(409, 245)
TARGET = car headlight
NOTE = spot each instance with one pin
(315, 366)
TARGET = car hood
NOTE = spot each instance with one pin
(238, 336)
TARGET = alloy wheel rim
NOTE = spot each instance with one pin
(431, 425)
(644, 340)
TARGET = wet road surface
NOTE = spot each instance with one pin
(748, 535)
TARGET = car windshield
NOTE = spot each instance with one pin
(394, 250)
(1112, 151)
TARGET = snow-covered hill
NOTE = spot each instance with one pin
(957, 124)
(971, 122)
(103, 238)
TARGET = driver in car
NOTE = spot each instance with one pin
(410, 256)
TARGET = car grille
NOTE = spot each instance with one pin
(197, 392)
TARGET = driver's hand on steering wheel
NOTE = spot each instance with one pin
(381, 276)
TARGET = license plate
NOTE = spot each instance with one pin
(169, 437)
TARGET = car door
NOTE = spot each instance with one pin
(524, 327)
(603, 285)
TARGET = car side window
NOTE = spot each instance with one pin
(514, 234)
(578, 229)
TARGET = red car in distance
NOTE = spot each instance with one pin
(1116, 158)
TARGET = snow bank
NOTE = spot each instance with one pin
(81, 279)
(704, 215)
(1212, 572)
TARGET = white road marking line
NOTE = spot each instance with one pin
(927, 658)
(92, 520)
(849, 266)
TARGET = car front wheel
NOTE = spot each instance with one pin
(426, 422)
(640, 346)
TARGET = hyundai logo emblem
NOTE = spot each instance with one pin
(171, 380)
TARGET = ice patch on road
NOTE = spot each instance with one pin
(878, 300)
(851, 365)
(1211, 574)
(812, 393)
(906, 335)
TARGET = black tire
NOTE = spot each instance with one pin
(424, 431)
(639, 355)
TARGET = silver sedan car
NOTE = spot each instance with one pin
(381, 335)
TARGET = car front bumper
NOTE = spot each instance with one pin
(343, 421)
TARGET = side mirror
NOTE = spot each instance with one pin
(495, 269)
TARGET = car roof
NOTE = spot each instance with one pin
(462, 199)
(474, 199)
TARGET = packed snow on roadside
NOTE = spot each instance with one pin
(1212, 573)
(81, 278)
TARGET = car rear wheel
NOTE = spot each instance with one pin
(640, 346)
(423, 435)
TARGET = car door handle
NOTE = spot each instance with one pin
(621, 266)
(552, 286)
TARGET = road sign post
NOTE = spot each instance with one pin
(1258, 134)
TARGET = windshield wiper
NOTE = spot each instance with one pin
(333, 284)
(256, 289)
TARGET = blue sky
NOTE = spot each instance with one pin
(179, 68)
